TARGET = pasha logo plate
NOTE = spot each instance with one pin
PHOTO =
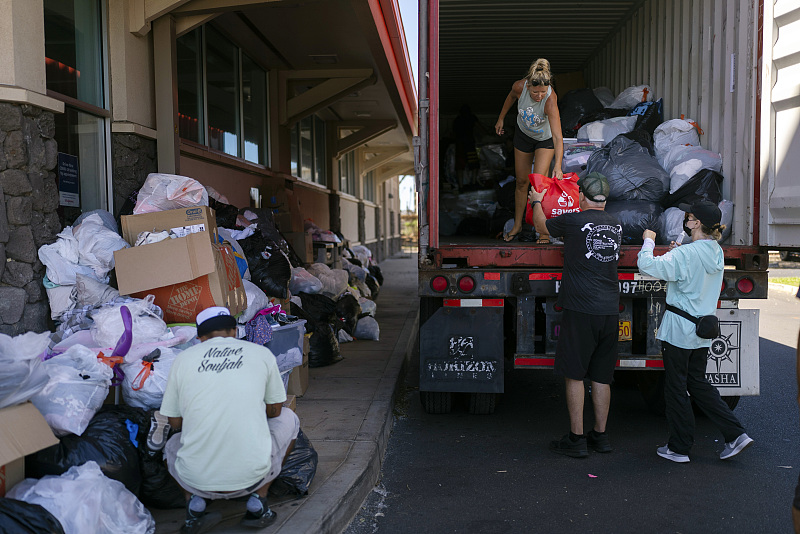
(724, 366)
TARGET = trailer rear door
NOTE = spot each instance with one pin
(780, 125)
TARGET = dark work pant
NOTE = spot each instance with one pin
(686, 371)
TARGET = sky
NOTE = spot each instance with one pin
(409, 12)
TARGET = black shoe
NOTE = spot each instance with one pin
(265, 518)
(599, 442)
(197, 524)
(567, 447)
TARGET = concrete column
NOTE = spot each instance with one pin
(22, 44)
(166, 91)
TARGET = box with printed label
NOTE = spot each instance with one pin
(24, 432)
(182, 221)
(186, 275)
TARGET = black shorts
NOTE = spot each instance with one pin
(523, 143)
(587, 346)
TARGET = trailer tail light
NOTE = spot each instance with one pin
(466, 284)
(557, 308)
(745, 285)
(621, 308)
(439, 284)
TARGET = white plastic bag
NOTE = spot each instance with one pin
(77, 387)
(232, 237)
(334, 281)
(85, 501)
(344, 337)
(607, 129)
(674, 132)
(22, 373)
(367, 328)
(257, 300)
(359, 272)
(147, 326)
(61, 259)
(673, 225)
(90, 292)
(60, 298)
(368, 306)
(362, 253)
(604, 95)
(631, 96)
(144, 383)
(162, 192)
(684, 161)
(96, 245)
(726, 207)
(304, 282)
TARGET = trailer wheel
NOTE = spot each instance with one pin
(436, 402)
(651, 386)
(482, 403)
(732, 401)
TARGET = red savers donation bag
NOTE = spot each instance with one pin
(561, 196)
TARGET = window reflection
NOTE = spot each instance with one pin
(190, 86)
(223, 93)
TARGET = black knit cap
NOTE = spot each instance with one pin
(704, 211)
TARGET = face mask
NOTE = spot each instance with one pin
(686, 228)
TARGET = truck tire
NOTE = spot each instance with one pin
(482, 403)
(436, 402)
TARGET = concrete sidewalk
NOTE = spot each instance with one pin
(347, 415)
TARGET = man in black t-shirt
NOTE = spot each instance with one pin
(589, 296)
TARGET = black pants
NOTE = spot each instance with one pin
(686, 371)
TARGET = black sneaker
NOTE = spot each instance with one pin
(599, 442)
(567, 447)
(198, 524)
(265, 518)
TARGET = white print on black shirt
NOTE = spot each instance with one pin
(212, 362)
(602, 241)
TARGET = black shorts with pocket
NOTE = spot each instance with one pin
(523, 143)
(587, 346)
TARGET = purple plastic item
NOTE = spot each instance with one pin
(126, 339)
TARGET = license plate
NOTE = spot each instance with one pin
(625, 331)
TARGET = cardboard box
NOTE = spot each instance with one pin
(298, 378)
(186, 275)
(285, 209)
(24, 432)
(302, 244)
(183, 221)
(291, 402)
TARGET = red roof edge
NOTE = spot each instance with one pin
(386, 14)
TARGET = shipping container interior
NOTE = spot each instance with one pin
(699, 56)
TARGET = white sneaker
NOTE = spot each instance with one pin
(735, 447)
(664, 452)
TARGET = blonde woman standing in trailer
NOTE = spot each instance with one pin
(537, 135)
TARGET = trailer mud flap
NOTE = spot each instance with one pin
(733, 358)
(461, 350)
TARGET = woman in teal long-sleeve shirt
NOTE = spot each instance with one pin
(693, 273)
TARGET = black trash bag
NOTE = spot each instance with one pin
(375, 271)
(226, 214)
(576, 104)
(347, 309)
(374, 287)
(298, 469)
(19, 517)
(505, 194)
(352, 259)
(107, 441)
(632, 173)
(636, 216)
(651, 114)
(158, 489)
(272, 275)
(705, 185)
(473, 226)
(603, 114)
(319, 312)
(643, 138)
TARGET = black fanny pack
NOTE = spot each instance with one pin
(706, 327)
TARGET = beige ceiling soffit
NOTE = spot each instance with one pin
(391, 170)
(369, 131)
(143, 12)
(337, 84)
(383, 155)
(184, 25)
(203, 7)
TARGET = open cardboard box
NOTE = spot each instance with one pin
(185, 275)
(24, 432)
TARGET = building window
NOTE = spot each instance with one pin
(369, 186)
(74, 49)
(347, 173)
(308, 150)
(222, 96)
(75, 70)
